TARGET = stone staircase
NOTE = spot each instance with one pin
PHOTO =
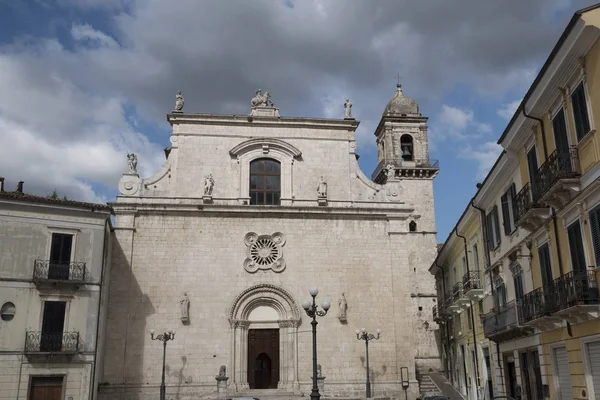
(266, 394)
(427, 386)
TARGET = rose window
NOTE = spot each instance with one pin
(264, 252)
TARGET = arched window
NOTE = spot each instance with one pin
(412, 226)
(408, 151)
(265, 182)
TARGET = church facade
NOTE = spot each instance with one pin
(247, 213)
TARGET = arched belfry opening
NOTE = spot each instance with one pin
(264, 322)
(406, 145)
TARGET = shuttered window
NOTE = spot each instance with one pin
(508, 215)
(493, 228)
(576, 248)
(580, 111)
(559, 127)
(545, 266)
(593, 350)
(595, 228)
(565, 390)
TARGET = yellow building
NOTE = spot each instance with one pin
(538, 212)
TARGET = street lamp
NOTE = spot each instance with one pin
(312, 311)
(367, 337)
(163, 337)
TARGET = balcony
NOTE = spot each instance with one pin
(42, 343)
(47, 272)
(418, 168)
(459, 298)
(529, 215)
(558, 178)
(504, 324)
(536, 308)
(471, 285)
(576, 297)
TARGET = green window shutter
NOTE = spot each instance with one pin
(505, 214)
(595, 228)
(560, 132)
(576, 248)
(545, 267)
(490, 231)
(496, 225)
(580, 113)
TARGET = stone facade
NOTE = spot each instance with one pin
(36, 344)
(249, 267)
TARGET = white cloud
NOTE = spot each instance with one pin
(507, 110)
(484, 154)
(458, 124)
(85, 33)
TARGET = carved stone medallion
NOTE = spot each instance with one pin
(264, 252)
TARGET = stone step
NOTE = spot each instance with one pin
(271, 394)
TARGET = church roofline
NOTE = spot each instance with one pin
(232, 119)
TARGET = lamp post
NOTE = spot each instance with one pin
(163, 337)
(312, 311)
(367, 337)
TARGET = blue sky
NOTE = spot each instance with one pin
(83, 82)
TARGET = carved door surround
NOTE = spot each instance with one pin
(276, 149)
(288, 321)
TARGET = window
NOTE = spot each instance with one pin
(532, 166)
(265, 182)
(508, 215)
(60, 256)
(412, 226)
(518, 281)
(53, 321)
(493, 228)
(475, 257)
(470, 318)
(7, 311)
(480, 305)
(406, 145)
(580, 111)
(576, 248)
(545, 266)
(595, 228)
(499, 292)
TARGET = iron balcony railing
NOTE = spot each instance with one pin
(498, 321)
(45, 270)
(471, 281)
(559, 165)
(434, 312)
(524, 202)
(51, 342)
(457, 291)
(576, 288)
(532, 306)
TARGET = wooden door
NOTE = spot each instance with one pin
(46, 388)
(263, 358)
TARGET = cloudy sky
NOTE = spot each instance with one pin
(83, 82)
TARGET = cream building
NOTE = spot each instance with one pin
(54, 261)
(248, 212)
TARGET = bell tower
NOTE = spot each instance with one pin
(402, 148)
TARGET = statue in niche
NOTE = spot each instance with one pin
(322, 189)
(343, 308)
(209, 183)
(179, 102)
(348, 109)
(132, 163)
(184, 304)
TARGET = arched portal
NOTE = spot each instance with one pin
(269, 316)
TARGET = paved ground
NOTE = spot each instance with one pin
(444, 386)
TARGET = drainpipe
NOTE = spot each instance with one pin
(472, 318)
(446, 325)
(558, 253)
(545, 146)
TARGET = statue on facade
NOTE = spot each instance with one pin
(209, 183)
(184, 304)
(222, 372)
(132, 163)
(261, 99)
(319, 371)
(348, 108)
(343, 308)
(322, 189)
(179, 102)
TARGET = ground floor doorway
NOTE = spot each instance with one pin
(263, 358)
(46, 388)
